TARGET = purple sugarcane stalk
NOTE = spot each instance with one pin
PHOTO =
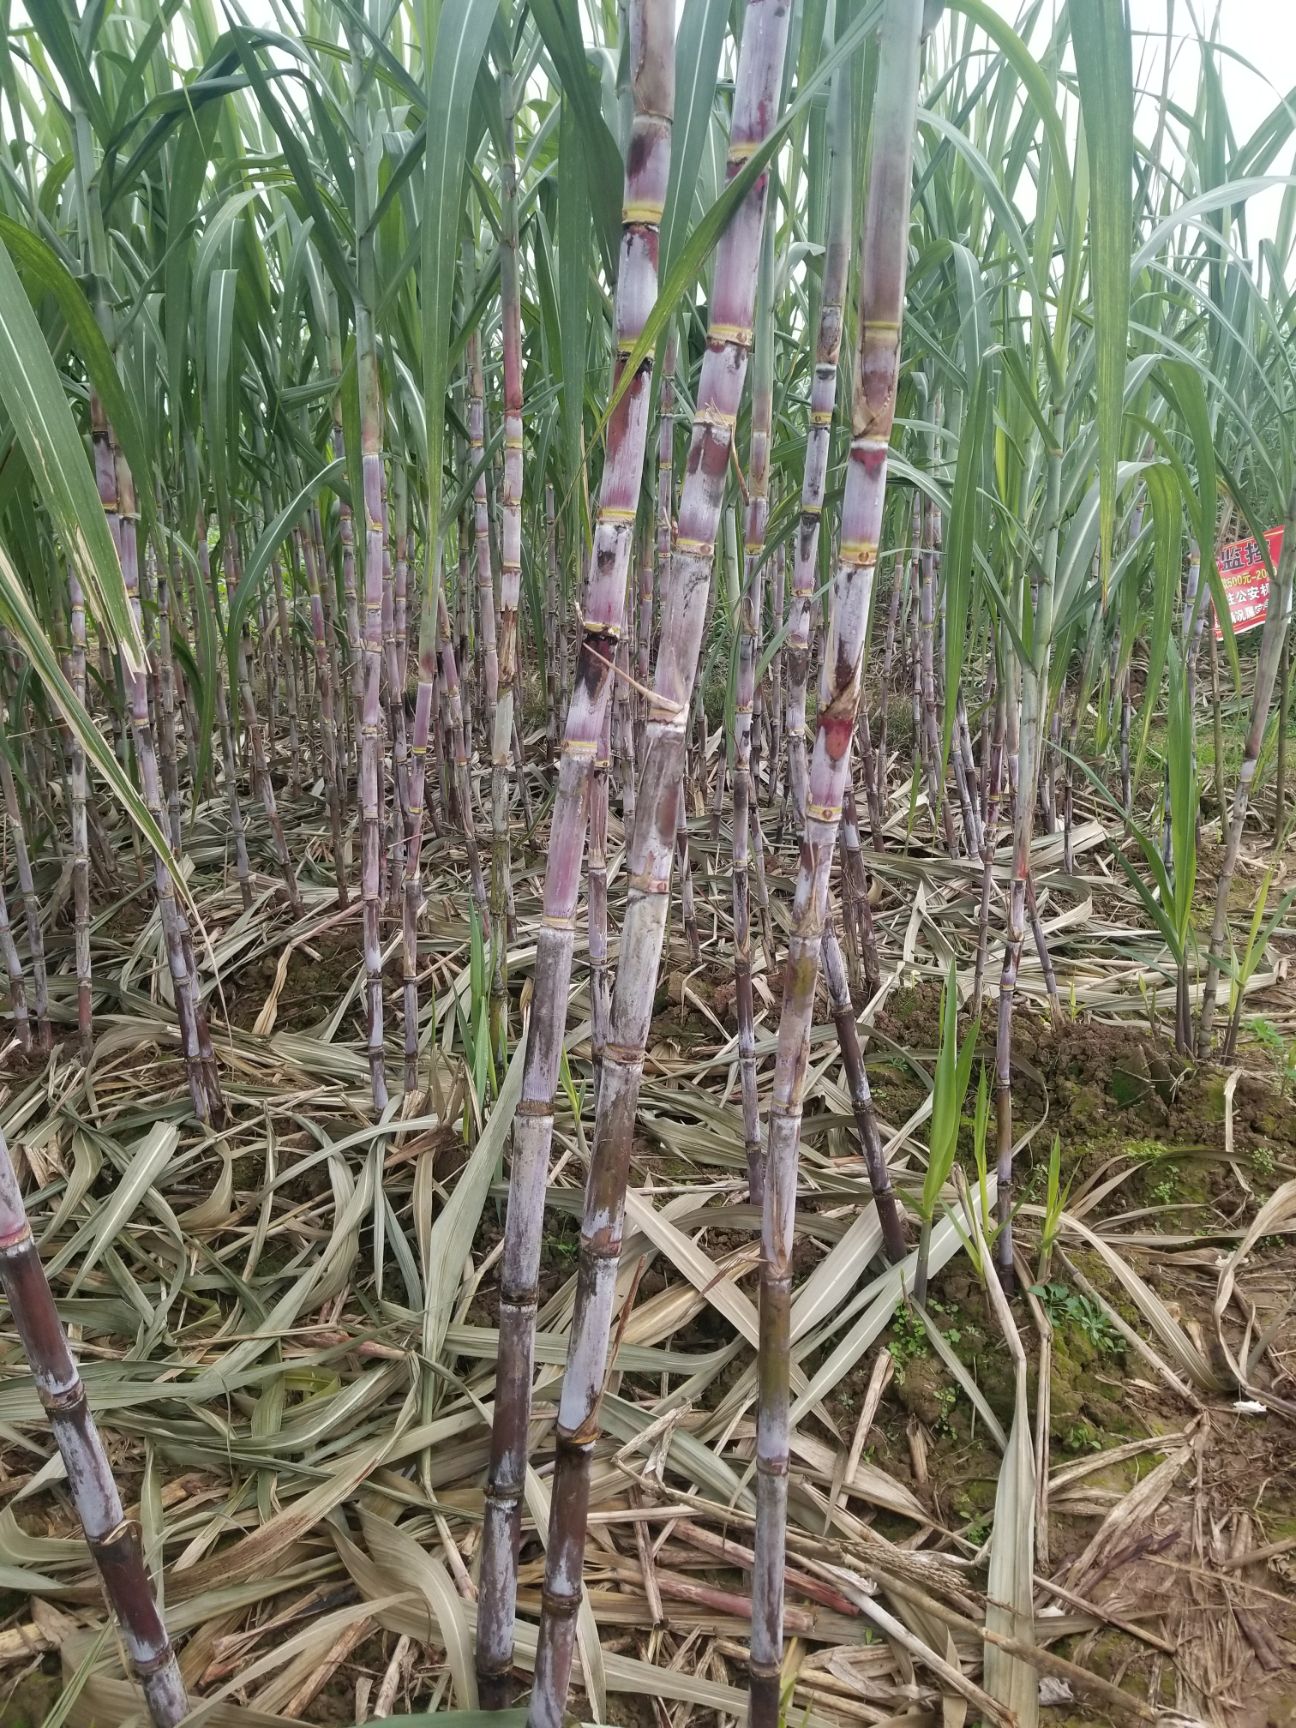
(80, 826)
(652, 69)
(598, 897)
(328, 722)
(224, 728)
(762, 419)
(510, 562)
(346, 524)
(843, 1013)
(113, 1539)
(884, 255)
(651, 849)
(553, 670)
(486, 635)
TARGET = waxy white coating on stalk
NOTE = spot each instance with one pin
(651, 848)
(884, 252)
(652, 69)
(823, 398)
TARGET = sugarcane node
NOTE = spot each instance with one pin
(69, 1402)
(559, 1604)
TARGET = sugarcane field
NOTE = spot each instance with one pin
(648, 863)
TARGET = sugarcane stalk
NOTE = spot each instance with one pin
(823, 397)
(14, 971)
(371, 782)
(665, 530)
(252, 725)
(117, 495)
(647, 170)
(486, 635)
(990, 836)
(459, 748)
(346, 524)
(778, 606)
(510, 561)
(1034, 698)
(651, 849)
(1272, 642)
(416, 796)
(623, 729)
(598, 898)
(553, 672)
(328, 711)
(762, 416)
(866, 1126)
(888, 664)
(80, 827)
(883, 260)
(30, 902)
(224, 729)
(688, 908)
(167, 706)
(113, 1539)
(394, 690)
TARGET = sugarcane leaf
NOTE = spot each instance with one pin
(273, 536)
(574, 219)
(1009, 1678)
(1100, 34)
(47, 271)
(560, 29)
(1163, 495)
(698, 41)
(33, 395)
(453, 1230)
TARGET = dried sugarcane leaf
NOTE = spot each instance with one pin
(1010, 1585)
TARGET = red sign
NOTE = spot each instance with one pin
(1246, 581)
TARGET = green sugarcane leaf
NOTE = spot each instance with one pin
(1100, 35)
(222, 294)
(1183, 384)
(46, 270)
(1156, 908)
(574, 219)
(53, 22)
(254, 571)
(560, 29)
(1163, 496)
(698, 42)
(32, 393)
(304, 172)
